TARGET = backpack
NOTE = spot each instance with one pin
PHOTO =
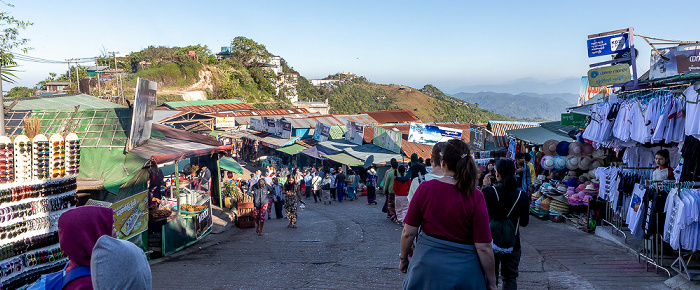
(504, 231)
(60, 279)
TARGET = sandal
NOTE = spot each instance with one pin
(294, 226)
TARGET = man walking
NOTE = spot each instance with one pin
(340, 184)
(307, 182)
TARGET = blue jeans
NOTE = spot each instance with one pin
(340, 191)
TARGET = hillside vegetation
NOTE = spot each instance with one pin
(521, 106)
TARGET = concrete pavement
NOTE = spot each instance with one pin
(351, 245)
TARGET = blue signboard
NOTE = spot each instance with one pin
(608, 45)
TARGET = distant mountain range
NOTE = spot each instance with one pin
(526, 85)
(530, 106)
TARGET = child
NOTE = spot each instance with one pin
(663, 170)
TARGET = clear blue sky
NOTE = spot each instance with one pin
(445, 43)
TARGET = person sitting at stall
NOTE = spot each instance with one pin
(663, 170)
(204, 178)
(155, 181)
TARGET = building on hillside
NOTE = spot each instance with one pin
(322, 108)
(57, 87)
(287, 83)
(323, 82)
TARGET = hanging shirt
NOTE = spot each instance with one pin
(635, 210)
(692, 110)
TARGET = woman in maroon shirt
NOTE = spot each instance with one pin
(454, 247)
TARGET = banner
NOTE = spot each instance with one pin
(477, 138)
(131, 215)
(284, 128)
(269, 124)
(387, 139)
(587, 92)
(322, 131)
(256, 124)
(203, 220)
(225, 122)
(609, 75)
(608, 45)
(675, 61)
(142, 118)
(430, 134)
(354, 132)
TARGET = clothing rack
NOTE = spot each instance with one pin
(680, 265)
(617, 221)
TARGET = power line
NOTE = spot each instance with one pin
(27, 58)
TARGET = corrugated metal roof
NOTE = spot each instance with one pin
(422, 150)
(246, 133)
(215, 108)
(159, 115)
(275, 142)
(307, 142)
(499, 128)
(360, 118)
(337, 145)
(381, 155)
(62, 102)
(344, 158)
(393, 116)
(290, 111)
(546, 131)
(185, 135)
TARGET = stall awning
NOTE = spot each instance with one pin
(346, 159)
(363, 152)
(337, 145)
(318, 152)
(292, 149)
(537, 135)
(246, 133)
(227, 163)
(167, 150)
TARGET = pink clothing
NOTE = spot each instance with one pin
(78, 231)
(445, 213)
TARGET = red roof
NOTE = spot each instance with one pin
(216, 108)
(308, 142)
(185, 135)
(263, 112)
(422, 150)
(393, 116)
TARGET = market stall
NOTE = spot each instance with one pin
(37, 185)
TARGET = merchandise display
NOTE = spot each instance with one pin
(34, 191)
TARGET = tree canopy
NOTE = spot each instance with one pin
(249, 52)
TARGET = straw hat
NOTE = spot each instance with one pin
(550, 147)
(575, 149)
(599, 154)
(563, 148)
(559, 162)
(584, 162)
(547, 162)
(571, 162)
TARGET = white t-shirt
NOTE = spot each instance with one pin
(634, 213)
(692, 110)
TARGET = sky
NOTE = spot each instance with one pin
(445, 43)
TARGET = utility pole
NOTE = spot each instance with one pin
(97, 70)
(116, 77)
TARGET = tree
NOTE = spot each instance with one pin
(20, 92)
(10, 40)
(249, 52)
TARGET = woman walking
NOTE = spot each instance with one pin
(505, 202)
(260, 192)
(389, 190)
(372, 186)
(401, 187)
(316, 186)
(454, 249)
(292, 199)
(326, 189)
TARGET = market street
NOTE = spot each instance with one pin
(351, 245)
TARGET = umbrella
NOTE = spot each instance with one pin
(227, 163)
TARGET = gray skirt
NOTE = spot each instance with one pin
(440, 264)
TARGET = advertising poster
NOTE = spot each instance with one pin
(225, 122)
(285, 128)
(609, 75)
(587, 93)
(256, 124)
(203, 221)
(387, 139)
(354, 132)
(131, 215)
(429, 134)
(322, 132)
(674, 61)
(607, 45)
(270, 125)
(142, 118)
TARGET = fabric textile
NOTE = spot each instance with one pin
(119, 264)
(440, 264)
(290, 206)
(401, 207)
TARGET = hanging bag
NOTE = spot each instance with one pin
(503, 231)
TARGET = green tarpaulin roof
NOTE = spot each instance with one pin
(62, 102)
(344, 158)
(539, 135)
(292, 149)
(227, 163)
(202, 103)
